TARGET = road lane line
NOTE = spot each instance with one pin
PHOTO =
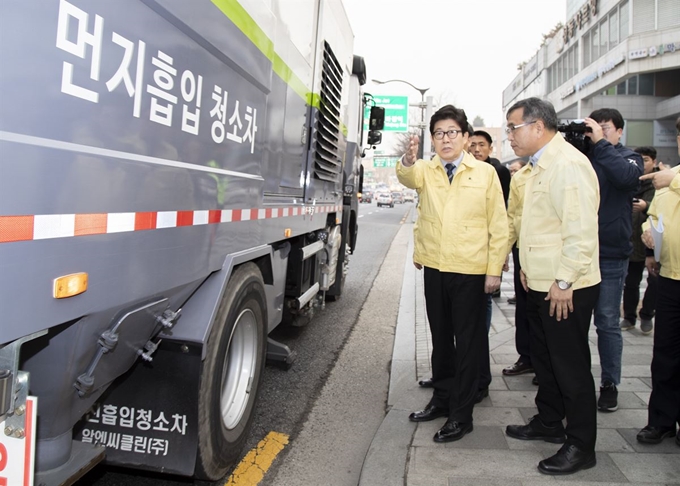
(251, 470)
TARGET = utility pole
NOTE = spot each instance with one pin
(423, 108)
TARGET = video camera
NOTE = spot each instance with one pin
(575, 133)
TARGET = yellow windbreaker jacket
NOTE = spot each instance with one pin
(462, 226)
(559, 233)
(667, 202)
(516, 204)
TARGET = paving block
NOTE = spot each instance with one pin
(649, 468)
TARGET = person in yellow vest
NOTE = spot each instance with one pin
(461, 240)
(559, 252)
(663, 412)
(522, 339)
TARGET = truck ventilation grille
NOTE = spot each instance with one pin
(327, 158)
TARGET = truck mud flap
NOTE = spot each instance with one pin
(148, 418)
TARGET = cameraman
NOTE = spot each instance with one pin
(618, 170)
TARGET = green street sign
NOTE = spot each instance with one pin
(385, 162)
(396, 113)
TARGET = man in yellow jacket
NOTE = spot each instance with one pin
(461, 241)
(664, 402)
(522, 340)
(558, 246)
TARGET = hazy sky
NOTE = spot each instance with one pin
(466, 52)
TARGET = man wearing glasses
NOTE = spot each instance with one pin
(461, 240)
(618, 169)
(559, 253)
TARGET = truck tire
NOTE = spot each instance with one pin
(349, 231)
(231, 373)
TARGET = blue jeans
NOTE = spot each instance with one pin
(607, 316)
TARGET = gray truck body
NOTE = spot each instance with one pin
(158, 145)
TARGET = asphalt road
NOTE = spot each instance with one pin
(288, 396)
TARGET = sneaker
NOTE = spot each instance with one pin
(609, 395)
(646, 326)
(625, 324)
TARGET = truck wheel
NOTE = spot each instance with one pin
(231, 373)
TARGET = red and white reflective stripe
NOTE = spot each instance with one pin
(47, 226)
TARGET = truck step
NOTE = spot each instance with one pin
(279, 355)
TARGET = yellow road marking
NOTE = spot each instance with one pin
(403, 220)
(257, 462)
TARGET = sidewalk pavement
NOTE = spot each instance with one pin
(403, 452)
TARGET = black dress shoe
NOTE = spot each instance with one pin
(536, 430)
(518, 368)
(452, 431)
(568, 460)
(427, 383)
(428, 413)
(481, 395)
(534, 380)
(654, 435)
(512, 300)
(677, 439)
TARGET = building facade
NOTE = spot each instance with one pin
(622, 54)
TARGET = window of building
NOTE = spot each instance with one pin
(595, 42)
(551, 79)
(646, 84)
(613, 28)
(669, 13)
(644, 16)
(632, 85)
(585, 42)
(576, 65)
(621, 88)
(623, 20)
(639, 133)
(604, 36)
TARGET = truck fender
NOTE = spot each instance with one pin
(198, 313)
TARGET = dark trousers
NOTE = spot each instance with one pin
(561, 359)
(522, 337)
(664, 403)
(456, 309)
(485, 355)
(631, 293)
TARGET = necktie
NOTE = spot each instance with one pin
(450, 168)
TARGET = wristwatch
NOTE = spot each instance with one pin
(563, 285)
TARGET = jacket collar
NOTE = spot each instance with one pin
(551, 149)
(468, 161)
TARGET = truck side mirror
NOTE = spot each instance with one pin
(377, 120)
(374, 137)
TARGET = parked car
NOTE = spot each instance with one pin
(409, 196)
(366, 197)
(398, 197)
(384, 199)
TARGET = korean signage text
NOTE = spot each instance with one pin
(396, 113)
(171, 94)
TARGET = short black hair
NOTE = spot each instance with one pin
(648, 151)
(536, 109)
(482, 133)
(605, 114)
(449, 112)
